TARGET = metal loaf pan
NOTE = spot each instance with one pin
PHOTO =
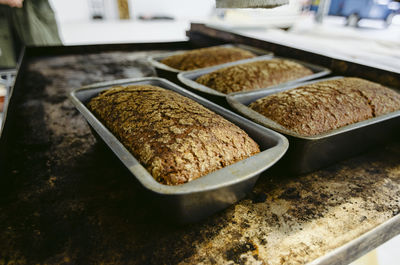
(188, 78)
(199, 198)
(170, 73)
(309, 153)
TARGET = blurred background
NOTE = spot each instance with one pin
(367, 31)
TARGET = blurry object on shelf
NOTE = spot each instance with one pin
(3, 93)
(355, 10)
(322, 10)
(239, 19)
(97, 9)
(7, 77)
(250, 3)
(155, 17)
(313, 5)
(123, 9)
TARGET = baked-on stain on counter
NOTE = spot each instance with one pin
(65, 198)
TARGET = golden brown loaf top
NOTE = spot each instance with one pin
(323, 106)
(175, 138)
(205, 57)
(253, 75)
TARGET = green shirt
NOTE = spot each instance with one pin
(34, 24)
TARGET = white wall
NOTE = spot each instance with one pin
(111, 9)
(80, 10)
(71, 10)
(180, 9)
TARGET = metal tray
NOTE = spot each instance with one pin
(188, 78)
(361, 245)
(201, 197)
(170, 73)
(309, 153)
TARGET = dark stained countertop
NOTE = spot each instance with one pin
(66, 199)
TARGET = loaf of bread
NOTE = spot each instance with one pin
(174, 138)
(326, 105)
(206, 57)
(253, 75)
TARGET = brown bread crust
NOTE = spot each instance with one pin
(175, 138)
(205, 57)
(253, 75)
(323, 106)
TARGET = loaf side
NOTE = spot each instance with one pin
(253, 75)
(323, 106)
(175, 138)
(206, 57)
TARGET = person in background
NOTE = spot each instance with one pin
(31, 22)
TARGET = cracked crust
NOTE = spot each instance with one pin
(253, 75)
(320, 107)
(205, 57)
(175, 138)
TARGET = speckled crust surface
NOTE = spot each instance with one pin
(253, 75)
(205, 57)
(327, 105)
(66, 199)
(174, 137)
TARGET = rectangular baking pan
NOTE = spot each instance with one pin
(188, 78)
(170, 73)
(309, 153)
(199, 198)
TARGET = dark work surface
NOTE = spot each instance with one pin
(65, 198)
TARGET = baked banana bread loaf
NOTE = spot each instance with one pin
(326, 105)
(175, 138)
(253, 75)
(205, 57)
